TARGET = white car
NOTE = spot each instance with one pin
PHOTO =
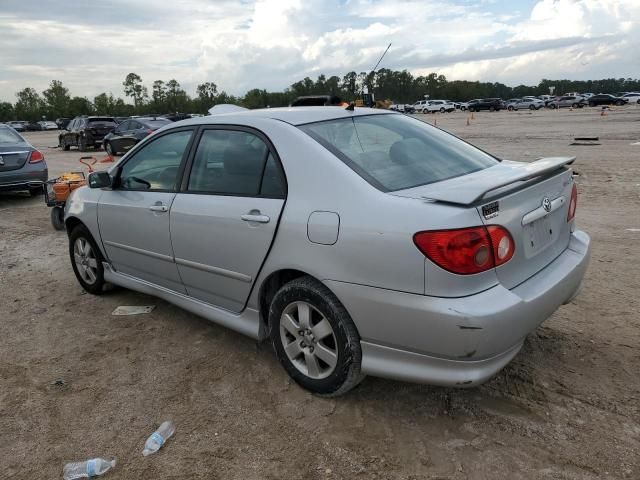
(420, 105)
(439, 106)
(633, 97)
(464, 106)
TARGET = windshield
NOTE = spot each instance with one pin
(394, 152)
(9, 136)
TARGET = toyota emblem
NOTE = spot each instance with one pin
(546, 204)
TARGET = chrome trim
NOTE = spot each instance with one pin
(218, 271)
(141, 251)
(247, 322)
(35, 183)
(540, 212)
(15, 153)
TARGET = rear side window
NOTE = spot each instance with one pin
(9, 136)
(229, 162)
(394, 152)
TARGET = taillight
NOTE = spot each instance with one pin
(573, 203)
(467, 251)
(36, 157)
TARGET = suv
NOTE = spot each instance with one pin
(567, 101)
(84, 132)
(420, 106)
(439, 106)
(491, 104)
(524, 103)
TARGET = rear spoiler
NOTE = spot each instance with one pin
(472, 188)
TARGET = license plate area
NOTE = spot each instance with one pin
(538, 235)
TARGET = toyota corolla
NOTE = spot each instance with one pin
(359, 242)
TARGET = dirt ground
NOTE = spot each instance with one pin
(77, 382)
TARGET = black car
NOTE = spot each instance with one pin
(33, 127)
(316, 101)
(606, 99)
(130, 132)
(491, 104)
(84, 132)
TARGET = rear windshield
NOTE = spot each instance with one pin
(102, 121)
(9, 136)
(394, 152)
(154, 124)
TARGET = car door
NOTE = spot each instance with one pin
(134, 215)
(224, 219)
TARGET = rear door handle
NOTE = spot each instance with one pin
(159, 208)
(255, 218)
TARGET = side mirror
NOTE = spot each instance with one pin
(99, 180)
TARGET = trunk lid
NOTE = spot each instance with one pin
(13, 157)
(530, 200)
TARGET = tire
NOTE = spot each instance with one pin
(82, 144)
(463, 108)
(574, 105)
(307, 301)
(554, 106)
(619, 103)
(591, 104)
(442, 110)
(532, 107)
(57, 218)
(109, 149)
(510, 108)
(64, 145)
(79, 239)
(492, 108)
(638, 101)
(36, 191)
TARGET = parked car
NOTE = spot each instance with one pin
(587, 95)
(316, 101)
(420, 106)
(130, 132)
(529, 103)
(439, 106)
(84, 132)
(491, 104)
(402, 107)
(22, 167)
(62, 122)
(464, 106)
(633, 97)
(335, 277)
(32, 127)
(176, 117)
(48, 125)
(567, 101)
(18, 126)
(606, 99)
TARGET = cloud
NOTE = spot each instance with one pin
(273, 43)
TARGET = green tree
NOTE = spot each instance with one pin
(177, 98)
(6, 112)
(80, 106)
(56, 99)
(29, 105)
(134, 88)
(158, 96)
(104, 104)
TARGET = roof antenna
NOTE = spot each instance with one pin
(385, 52)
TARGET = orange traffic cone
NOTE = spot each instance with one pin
(472, 117)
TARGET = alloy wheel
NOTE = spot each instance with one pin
(308, 340)
(85, 260)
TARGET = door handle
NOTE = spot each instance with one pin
(159, 208)
(255, 218)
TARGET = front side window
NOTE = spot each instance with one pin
(155, 166)
(229, 162)
(394, 152)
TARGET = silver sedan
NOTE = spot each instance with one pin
(359, 242)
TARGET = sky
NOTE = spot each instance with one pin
(243, 44)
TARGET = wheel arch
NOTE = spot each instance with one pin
(268, 288)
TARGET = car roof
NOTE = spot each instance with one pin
(291, 115)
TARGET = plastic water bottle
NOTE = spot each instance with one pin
(89, 468)
(158, 438)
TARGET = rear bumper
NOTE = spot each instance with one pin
(458, 341)
(22, 180)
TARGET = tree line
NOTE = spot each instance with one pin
(169, 96)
